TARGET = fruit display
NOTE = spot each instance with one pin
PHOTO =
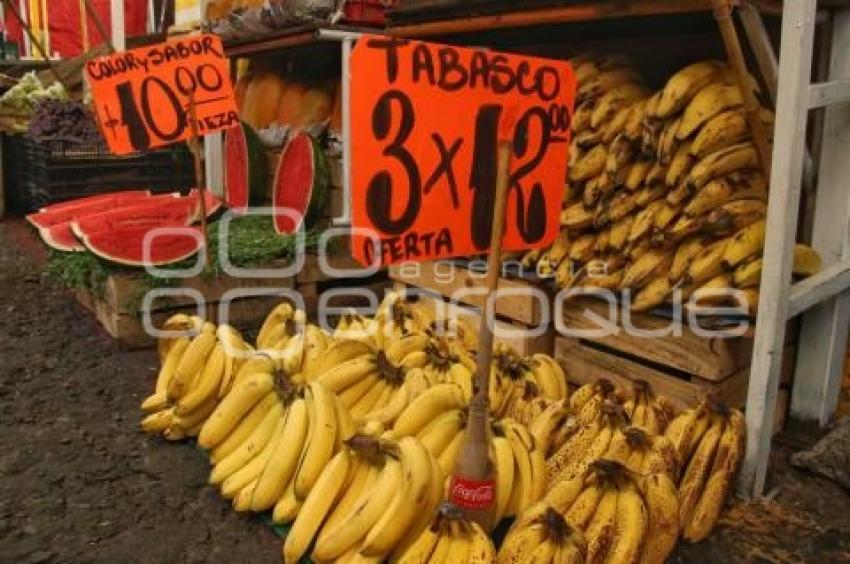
(665, 190)
(450, 538)
(22, 98)
(300, 187)
(245, 168)
(115, 226)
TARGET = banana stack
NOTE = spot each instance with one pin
(450, 538)
(195, 375)
(374, 499)
(643, 409)
(709, 441)
(665, 191)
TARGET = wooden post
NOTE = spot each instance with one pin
(735, 55)
(35, 43)
(195, 147)
(473, 461)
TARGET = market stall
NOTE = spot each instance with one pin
(462, 282)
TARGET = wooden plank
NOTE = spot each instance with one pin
(825, 327)
(712, 358)
(574, 12)
(124, 293)
(833, 280)
(783, 208)
(467, 287)
(584, 364)
(829, 93)
(313, 272)
(504, 333)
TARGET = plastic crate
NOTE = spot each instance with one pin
(368, 12)
(43, 172)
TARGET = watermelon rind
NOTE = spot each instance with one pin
(249, 190)
(180, 211)
(60, 237)
(98, 244)
(316, 199)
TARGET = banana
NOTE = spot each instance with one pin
(602, 528)
(590, 164)
(398, 402)
(524, 486)
(667, 142)
(725, 129)
(158, 422)
(316, 507)
(723, 471)
(438, 434)
(653, 294)
(188, 422)
(595, 87)
(708, 263)
(709, 102)
(242, 455)
(207, 386)
(685, 253)
(617, 123)
(362, 477)
(244, 429)
(638, 173)
(320, 439)
(192, 362)
(339, 353)
(721, 163)
(233, 408)
(734, 216)
(171, 359)
(420, 551)
(426, 406)
(613, 99)
(679, 433)
(355, 392)
(287, 452)
(656, 175)
(745, 244)
(748, 274)
(647, 267)
(481, 549)
(177, 322)
(632, 525)
(257, 363)
(448, 457)
(632, 127)
(581, 116)
(721, 190)
(697, 472)
(504, 459)
(397, 349)
(276, 318)
(643, 221)
(287, 507)
(684, 85)
(807, 261)
(662, 507)
(520, 544)
(681, 163)
(426, 516)
(619, 233)
(333, 543)
(248, 473)
(409, 500)
(576, 217)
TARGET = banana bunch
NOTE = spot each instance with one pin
(543, 535)
(709, 441)
(624, 516)
(589, 441)
(196, 374)
(643, 409)
(373, 499)
(517, 384)
(449, 538)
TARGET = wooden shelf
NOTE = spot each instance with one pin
(286, 39)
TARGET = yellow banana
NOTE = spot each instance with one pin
(668, 143)
(248, 473)
(631, 525)
(244, 429)
(662, 507)
(590, 165)
(263, 433)
(725, 129)
(709, 102)
(576, 216)
(646, 267)
(684, 85)
(807, 261)
(723, 162)
(708, 263)
(426, 406)
(233, 408)
(745, 244)
(697, 472)
(158, 422)
(602, 528)
(321, 439)
(192, 362)
(207, 386)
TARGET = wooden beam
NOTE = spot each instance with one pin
(829, 93)
(574, 12)
(823, 286)
(825, 327)
(795, 66)
(271, 44)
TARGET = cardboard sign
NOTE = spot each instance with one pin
(142, 96)
(427, 121)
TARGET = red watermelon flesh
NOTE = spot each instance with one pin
(213, 204)
(60, 237)
(245, 168)
(178, 211)
(125, 245)
(65, 211)
(299, 184)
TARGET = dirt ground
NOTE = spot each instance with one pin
(79, 482)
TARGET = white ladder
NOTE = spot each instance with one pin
(823, 299)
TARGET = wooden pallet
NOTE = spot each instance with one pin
(515, 313)
(684, 366)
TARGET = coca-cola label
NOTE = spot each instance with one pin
(472, 494)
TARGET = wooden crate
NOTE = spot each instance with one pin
(515, 313)
(684, 366)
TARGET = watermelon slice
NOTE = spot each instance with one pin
(125, 245)
(178, 211)
(66, 211)
(300, 183)
(213, 204)
(61, 237)
(246, 169)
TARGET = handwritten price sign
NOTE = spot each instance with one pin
(424, 148)
(142, 96)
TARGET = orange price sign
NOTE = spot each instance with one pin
(424, 151)
(142, 96)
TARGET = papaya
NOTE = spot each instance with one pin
(335, 123)
(262, 99)
(218, 9)
(302, 106)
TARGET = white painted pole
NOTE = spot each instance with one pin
(116, 14)
(23, 9)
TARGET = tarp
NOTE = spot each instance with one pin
(64, 20)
